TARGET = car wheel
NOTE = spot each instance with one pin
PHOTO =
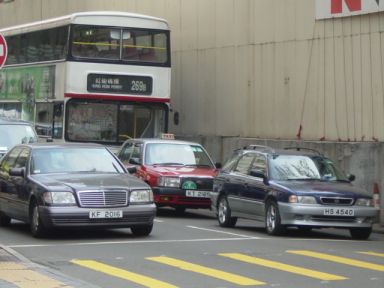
(142, 230)
(224, 213)
(36, 226)
(4, 219)
(360, 233)
(273, 220)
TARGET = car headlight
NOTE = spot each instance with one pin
(59, 198)
(364, 202)
(302, 199)
(169, 182)
(141, 196)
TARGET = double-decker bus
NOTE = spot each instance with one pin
(89, 77)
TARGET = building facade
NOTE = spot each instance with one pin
(278, 72)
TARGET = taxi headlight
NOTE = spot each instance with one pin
(169, 182)
(59, 198)
(302, 199)
(364, 202)
(141, 196)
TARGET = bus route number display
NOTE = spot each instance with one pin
(120, 84)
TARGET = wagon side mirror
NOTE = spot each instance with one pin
(259, 174)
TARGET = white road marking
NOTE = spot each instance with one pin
(130, 242)
(224, 232)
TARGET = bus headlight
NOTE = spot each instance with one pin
(169, 182)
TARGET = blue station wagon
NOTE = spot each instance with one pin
(292, 187)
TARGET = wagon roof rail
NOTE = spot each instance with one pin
(298, 148)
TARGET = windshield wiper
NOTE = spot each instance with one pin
(303, 179)
(198, 165)
(169, 164)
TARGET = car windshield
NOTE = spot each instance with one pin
(299, 167)
(176, 154)
(58, 160)
(12, 135)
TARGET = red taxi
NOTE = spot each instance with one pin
(180, 173)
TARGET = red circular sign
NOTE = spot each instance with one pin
(3, 50)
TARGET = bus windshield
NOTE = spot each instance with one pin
(130, 45)
(113, 122)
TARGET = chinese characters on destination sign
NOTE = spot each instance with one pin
(121, 84)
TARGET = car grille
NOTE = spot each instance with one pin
(336, 201)
(201, 183)
(340, 219)
(103, 198)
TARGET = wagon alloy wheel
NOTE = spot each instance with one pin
(224, 213)
(273, 220)
(37, 228)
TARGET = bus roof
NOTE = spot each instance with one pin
(99, 18)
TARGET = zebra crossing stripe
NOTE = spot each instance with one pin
(229, 277)
(338, 259)
(283, 267)
(372, 253)
(123, 274)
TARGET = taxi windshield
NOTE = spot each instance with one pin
(16, 134)
(171, 154)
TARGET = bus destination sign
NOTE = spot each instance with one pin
(121, 84)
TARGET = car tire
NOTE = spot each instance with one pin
(272, 219)
(142, 230)
(36, 226)
(360, 233)
(224, 213)
(4, 219)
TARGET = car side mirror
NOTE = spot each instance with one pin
(18, 172)
(134, 161)
(218, 165)
(132, 169)
(351, 177)
(259, 174)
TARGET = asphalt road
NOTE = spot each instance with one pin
(194, 251)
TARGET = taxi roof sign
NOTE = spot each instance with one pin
(167, 136)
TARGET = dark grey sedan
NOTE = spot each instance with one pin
(74, 186)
